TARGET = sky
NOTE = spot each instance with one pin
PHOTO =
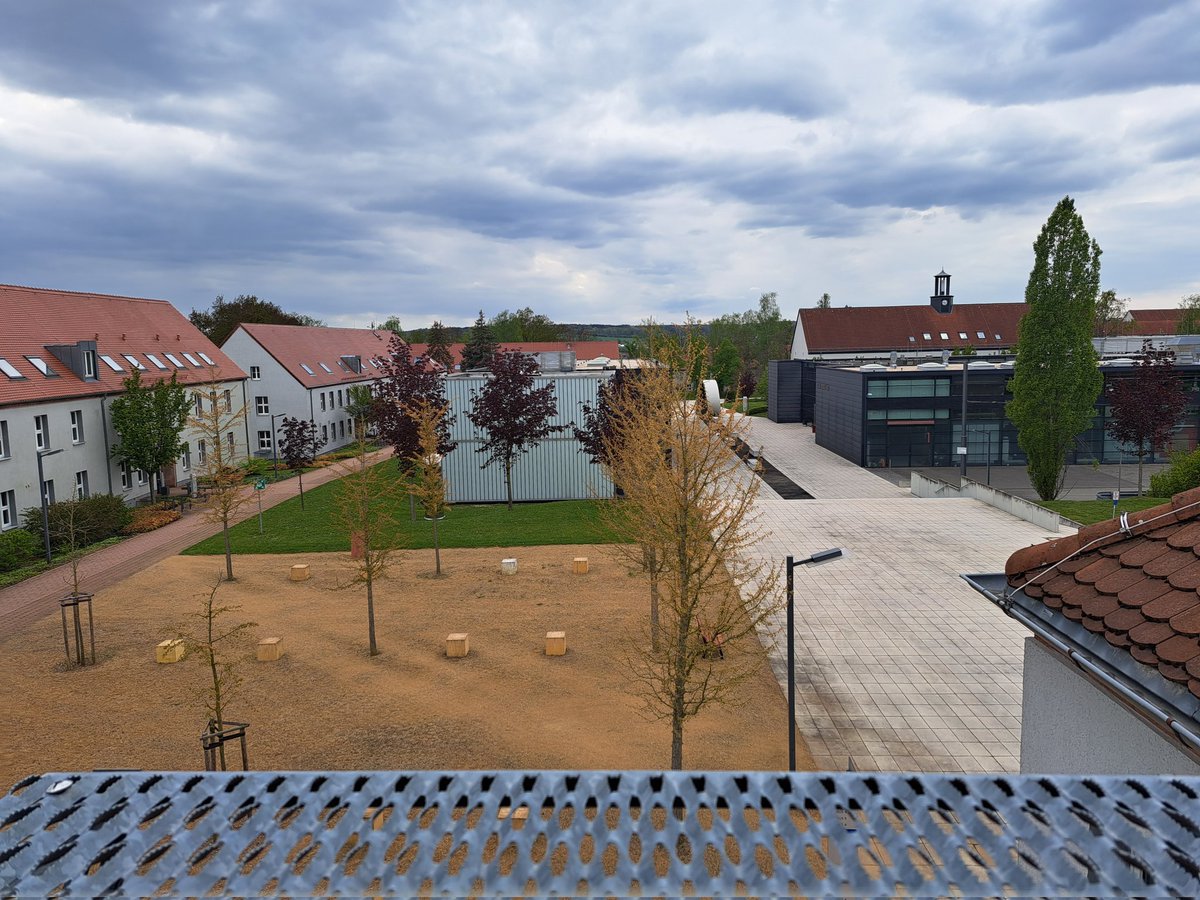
(599, 162)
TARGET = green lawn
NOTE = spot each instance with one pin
(287, 529)
(37, 568)
(756, 407)
(1087, 512)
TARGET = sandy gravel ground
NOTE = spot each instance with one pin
(327, 705)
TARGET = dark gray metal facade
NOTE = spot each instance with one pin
(838, 412)
(785, 388)
(597, 833)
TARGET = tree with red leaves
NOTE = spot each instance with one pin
(406, 384)
(512, 413)
(299, 446)
(1146, 406)
(596, 434)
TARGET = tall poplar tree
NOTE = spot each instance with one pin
(1056, 380)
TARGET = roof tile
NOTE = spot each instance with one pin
(1100, 605)
(1143, 592)
(1119, 581)
(1186, 537)
(1187, 622)
(1170, 604)
(1150, 634)
(1098, 568)
(1116, 639)
(1141, 553)
(1168, 563)
(1193, 666)
(1094, 625)
(1178, 649)
(1144, 655)
(903, 328)
(1124, 619)
(1187, 578)
(1173, 672)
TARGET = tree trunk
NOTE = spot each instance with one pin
(371, 612)
(228, 550)
(677, 729)
(151, 489)
(300, 478)
(1141, 459)
(437, 553)
(218, 710)
(508, 480)
(652, 569)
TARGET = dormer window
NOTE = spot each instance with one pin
(352, 363)
(89, 363)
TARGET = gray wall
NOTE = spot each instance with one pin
(838, 412)
(785, 379)
(1070, 726)
(555, 470)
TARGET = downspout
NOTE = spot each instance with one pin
(312, 415)
(1189, 739)
(107, 448)
(246, 418)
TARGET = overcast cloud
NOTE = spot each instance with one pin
(598, 162)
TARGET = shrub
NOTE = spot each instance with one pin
(256, 467)
(17, 548)
(148, 518)
(1182, 475)
(96, 518)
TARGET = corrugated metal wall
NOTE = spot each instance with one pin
(554, 470)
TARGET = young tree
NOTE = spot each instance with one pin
(1147, 406)
(688, 500)
(224, 316)
(1110, 314)
(360, 405)
(481, 346)
(439, 347)
(403, 384)
(209, 643)
(512, 413)
(148, 419)
(825, 302)
(1189, 321)
(1056, 378)
(299, 446)
(726, 366)
(426, 481)
(366, 503)
(217, 421)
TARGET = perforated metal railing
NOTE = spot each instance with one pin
(596, 833)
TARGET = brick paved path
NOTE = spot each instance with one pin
(35, 597)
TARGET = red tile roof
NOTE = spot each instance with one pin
(1154, 321)
(883, 328)
(294, 346)
(1139, 588)
(33, 318)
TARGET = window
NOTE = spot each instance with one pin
(229, 439)
(7, 368)
(343, 424)
(322, 401)
(264, 440)
(911, 339)
(199, 403)
(126, 476)
(41, 366)
(112, 363)
(927, 336)
(326, 368)
(8, 509)
(201, 452)
(339, 398)
(133, 361)
(351, 427)
(49, 490)
(174, 360)
(998, 337)
(262, 406)
(81, 486)
(981, 335)
(3, 440)
(324, 434)
(305, 367)
(157, 362)
(185, 459)
(89, 363)
(255, 373)
(944, 336)
(141, 476)
(962, 335)
(207, 359)
(228, 397)
(41, 432)
(192, 360)
(77, 426)
(908, 387)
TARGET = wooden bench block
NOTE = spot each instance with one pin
(508, 566)
(170, 651)
(579, 566)
(299, 572)
(556, 643)
(458, 645)
(269, 649)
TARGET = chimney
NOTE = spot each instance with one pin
(942, 300)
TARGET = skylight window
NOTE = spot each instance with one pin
(962, 335)
(911, 339)
(207, 359)
(192, 360)
(998, 337)
(112, 363)
(41, 366)
(7, 368)
(305, 367)
(133, 361)
(945, 337)
(154, 359)
(373, 363)
(326, 368)
(927, 336)
(174, 360)
(981, 335)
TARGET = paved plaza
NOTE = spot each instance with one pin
(900, 665)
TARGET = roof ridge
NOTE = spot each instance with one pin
(45, 290)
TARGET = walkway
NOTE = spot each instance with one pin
(35, 597)
(900, 665)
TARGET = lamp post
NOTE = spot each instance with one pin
(988, 435)
(962, 469)
(274, 448)
(816, 559)
(45, 505)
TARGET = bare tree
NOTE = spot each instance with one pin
(217, 420)
(367, 499)
(690, 503)
(209, 642)
(426, 481)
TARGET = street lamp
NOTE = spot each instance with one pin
(988, 435)
(816, 559)
(45, 505)
(274, 442)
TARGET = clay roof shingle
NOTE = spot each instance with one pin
(903, 328)
(1138, 585)
(33, 318)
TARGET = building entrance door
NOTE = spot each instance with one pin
(911, 444)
